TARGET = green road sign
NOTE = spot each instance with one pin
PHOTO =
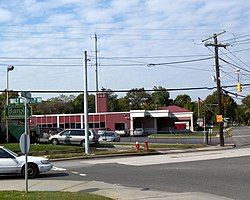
(33, 100)
(17, 111)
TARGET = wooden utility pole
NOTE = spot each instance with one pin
(216, 46)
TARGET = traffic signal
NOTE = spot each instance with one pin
(238, 87)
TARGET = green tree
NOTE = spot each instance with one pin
(210, 107)
(184, 101)
(243, 111)
(138, 99)
(160, 97)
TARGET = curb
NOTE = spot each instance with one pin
(158, 152)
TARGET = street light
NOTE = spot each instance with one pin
(9, 68)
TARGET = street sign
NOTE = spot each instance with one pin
(25, 143)
(29, 101)
(27, 95)
(17, 111)
(219, 118)
(35, 100)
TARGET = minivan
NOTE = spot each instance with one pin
(74, 136)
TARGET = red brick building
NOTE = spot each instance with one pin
(165, 119)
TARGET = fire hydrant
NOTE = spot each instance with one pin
(137, 146)
(146, 145)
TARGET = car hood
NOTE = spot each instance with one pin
(31, 159)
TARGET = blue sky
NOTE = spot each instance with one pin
(131, 34)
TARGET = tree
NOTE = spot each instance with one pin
(138, 99)
(160, 98)
(184, 101)
(210, 106)
(243, 111)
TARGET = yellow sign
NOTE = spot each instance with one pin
(219, 118)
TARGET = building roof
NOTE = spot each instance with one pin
(174, 109)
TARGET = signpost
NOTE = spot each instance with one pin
(19, 109)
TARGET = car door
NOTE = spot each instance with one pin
(64, 137)
(76, 136)
(8, 163)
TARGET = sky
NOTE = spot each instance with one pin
(45, 42)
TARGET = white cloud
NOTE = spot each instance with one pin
(125, 28)
(5, 15)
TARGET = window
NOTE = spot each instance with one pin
(4, 154)
(65, 133)
(119, 126)
(76, 133)
(102, 125)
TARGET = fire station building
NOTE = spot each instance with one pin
(164, 119)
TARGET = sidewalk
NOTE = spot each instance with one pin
(116, 192)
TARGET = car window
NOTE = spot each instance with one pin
(76, 132)
(5, 154)
(65, 133)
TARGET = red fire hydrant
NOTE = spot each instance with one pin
(137, 146)
(146, 145)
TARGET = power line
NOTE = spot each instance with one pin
(234, 65)
(126, 90)
(179, 62)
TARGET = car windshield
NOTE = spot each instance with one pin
(11, 152)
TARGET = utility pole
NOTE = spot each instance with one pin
(96, 73)
(86, 112)
(216, 46)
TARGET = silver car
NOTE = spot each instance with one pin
(74, 136)
(109, 136)
(11, 163)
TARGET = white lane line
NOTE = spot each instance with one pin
(74, 172)
(241, 136)
(82, 174)
(58, 169)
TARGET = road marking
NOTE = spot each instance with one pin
(82, 174)
(58, 169)
(241, 136)
(74, 172)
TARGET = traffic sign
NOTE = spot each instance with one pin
(219, 118)
(29, 101)
(35, 100)
(26, 94)
(17, 111)
(24, 143)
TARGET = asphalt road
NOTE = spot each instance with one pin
(241, 136)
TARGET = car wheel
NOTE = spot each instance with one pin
(54, 141)
(32, 170)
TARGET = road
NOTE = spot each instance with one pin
(195, 175)
(225, 174)
(241, 136)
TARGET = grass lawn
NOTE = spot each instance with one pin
(179, 135)
(43, 147)
(16, 195)
(69, 151)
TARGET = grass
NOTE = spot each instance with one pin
(69, 151)
(43, 147)
(179, 135)
(16, 195)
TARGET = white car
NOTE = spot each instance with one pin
(11, 163)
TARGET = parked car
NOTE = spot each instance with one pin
(74, 136)
(122, 132)
(11, 163)
(140, 132)
(109, 136)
